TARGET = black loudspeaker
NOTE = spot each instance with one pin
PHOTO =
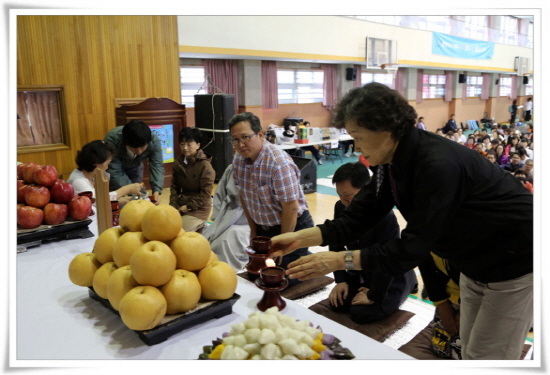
(308, 174)
(214, 111)
(496, 82)
(525, 80)
(351, 74)
(461, 78)
(218, 145)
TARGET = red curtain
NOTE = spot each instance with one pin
(269, 85)
(357, 82)
(399, 81)
(465, 86)
(514, 88)
(222, 78)
(419, 81)
(329, 85)
(448, 85)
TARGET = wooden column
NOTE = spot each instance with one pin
(102, 202)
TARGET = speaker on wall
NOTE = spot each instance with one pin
(351, 74)
(461, 78)
(497, 81)
(218, 145)
(525, 80)
(308, 174)
(214, 111)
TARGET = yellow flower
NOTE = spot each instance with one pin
(315, 356)
(318, 346)
(217, 352)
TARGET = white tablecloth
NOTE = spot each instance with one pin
(57, 320)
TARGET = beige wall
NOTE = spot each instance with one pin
(316, 38)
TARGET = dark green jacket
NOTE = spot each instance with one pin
(121, 161)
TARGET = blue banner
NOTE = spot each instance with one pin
(454, 46)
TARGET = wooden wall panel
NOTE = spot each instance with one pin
(97, 59)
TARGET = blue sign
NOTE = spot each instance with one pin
(454, 46)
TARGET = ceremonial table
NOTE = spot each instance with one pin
(57, 320)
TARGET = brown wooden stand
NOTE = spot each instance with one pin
(102, 202)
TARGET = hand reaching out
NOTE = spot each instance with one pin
(315, 265)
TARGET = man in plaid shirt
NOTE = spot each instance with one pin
(269, 183)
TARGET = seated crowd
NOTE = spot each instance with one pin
(506, 146)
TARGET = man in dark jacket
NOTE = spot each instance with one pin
(134, 143)
(367, 296)
(438, 186)
(450, 125)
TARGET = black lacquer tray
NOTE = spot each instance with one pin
(172, 324)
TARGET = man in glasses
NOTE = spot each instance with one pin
(269, 184)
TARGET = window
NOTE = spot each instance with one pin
(41, 119)
(475, 27)
(300, 86)
(473, 86)
(383, 78)
(192, 83)
(433, 86)
(505, 86)
(509, 30)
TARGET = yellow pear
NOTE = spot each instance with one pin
(153, 263)
(182, 292)
(218, 281)
(104, 244)
(132, 213)
(192, 251)
(161, 223)
(125, 247)
(120, 283)
(82, 269)
(142, 308)
(213, 258)
(101, 277)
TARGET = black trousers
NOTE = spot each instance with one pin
(364, 314)
(304, 221)
(346, 144)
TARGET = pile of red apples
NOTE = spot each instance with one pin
(43, 198)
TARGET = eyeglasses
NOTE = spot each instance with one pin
(245, 139)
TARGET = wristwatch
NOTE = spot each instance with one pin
(348, 259)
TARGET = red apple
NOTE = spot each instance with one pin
(62, 192)
(29, 217)
(45, 175)
(55, 213)
(20, 183)
(37, 196)
(80, 207)
(20, 169)
(29, 171)
(21, 192)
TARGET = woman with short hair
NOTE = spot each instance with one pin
(97, 155)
